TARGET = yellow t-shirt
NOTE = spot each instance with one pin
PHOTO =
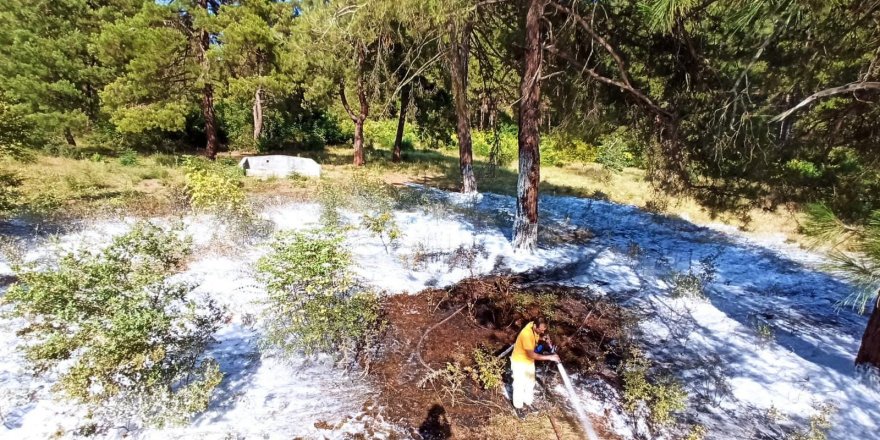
(525, 342)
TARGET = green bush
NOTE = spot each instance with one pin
(128, 343)
(128, 158)
(381, 134)
(10, 195)
(314, 305)
(616, 149)
(663, 397)
(560, 149)
(360, 192)
(382, 225)
(216, 188)
(488, 369)
(483, 143)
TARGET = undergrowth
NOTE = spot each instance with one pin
(662, 396)
(126, 342)
(315, 305)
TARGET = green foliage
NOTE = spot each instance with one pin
(315, 305)
(382, 225)
(616, 149)
(820, 423)
(10, 195)
(561, 149)
(484, 143)
(803, 169)
(360, 192)
(128, 158)
(216, 189)
(381, 134)
(855, 251)
(662, 397)
(127, 342)
(488, 369)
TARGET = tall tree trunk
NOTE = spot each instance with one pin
(359, 159)
(525, 226)
(207, 92)
(401, 122)
(869, 352)
(258, 113)
(460, 54)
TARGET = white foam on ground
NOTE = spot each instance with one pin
(711, 345)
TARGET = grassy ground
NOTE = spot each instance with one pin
(153, 185)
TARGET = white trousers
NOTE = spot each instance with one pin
(523, 383)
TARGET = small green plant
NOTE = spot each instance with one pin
(382, 225)
(697, 432)
(820, 423)
(487, 370)
(97, 158)
(128, 158)
(315, 305)
(764, 332)
(692, 284)
(128, 343)
(662, 397)
(451, 378)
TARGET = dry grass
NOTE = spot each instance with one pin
(58, 186)
(439, 168)
(534, 426)
(154, 185)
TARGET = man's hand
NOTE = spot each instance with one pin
(552, 357)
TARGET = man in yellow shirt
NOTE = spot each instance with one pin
(522, 362)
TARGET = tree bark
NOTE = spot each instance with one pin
(525, 226)
(460, 55)
(869, 352)
(361, 116)
(401, 122)
(258, 113)
(207, 92)
(68, 136)
(359, 159)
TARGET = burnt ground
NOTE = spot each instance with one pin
(488, 313)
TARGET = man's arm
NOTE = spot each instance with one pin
(542, 357)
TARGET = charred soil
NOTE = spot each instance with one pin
(432, 336)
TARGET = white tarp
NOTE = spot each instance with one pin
(279, 166)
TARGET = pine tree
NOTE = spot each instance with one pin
(166, 74)
(855, 255)
(48, 71)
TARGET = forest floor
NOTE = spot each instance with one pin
(104, 184)
(746, 323)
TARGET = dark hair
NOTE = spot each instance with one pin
(539, 321)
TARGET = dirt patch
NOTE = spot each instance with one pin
(486, 313)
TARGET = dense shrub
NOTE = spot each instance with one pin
(315, 305)
(561, 149)
(10, 196)
(483, 143)
(617, 149)
(125, 341)
(215, 188)
(381, 134)
(662, 397)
